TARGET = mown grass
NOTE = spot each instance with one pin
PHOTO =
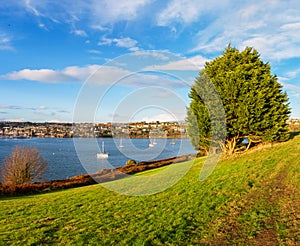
(151, 171)
(250, 199)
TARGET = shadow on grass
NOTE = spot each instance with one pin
(294, 134)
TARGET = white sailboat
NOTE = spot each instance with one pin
(151, 143)
(154, 141)
(102, 155)
(121, 143)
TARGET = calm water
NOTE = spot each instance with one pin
(66, 159)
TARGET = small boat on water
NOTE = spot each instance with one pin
(121, 143)
(154, 141)
(151, 144)
(102, 155)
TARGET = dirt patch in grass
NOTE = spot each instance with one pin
(254, 219)
(267, 237)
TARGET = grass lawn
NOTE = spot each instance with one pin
(250, 199)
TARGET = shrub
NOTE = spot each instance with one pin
(24, 165)
(130, 162)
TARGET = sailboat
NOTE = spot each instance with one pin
(102, 155)
(151, 143)
(154, 141)
(121, 143)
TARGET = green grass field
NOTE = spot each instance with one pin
(248, 200)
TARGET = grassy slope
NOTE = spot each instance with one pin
(250, 199)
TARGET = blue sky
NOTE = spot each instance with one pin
(131, 60)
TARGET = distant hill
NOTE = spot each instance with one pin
(252, 199)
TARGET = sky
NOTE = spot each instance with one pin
(118, 61)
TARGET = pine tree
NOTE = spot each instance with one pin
(255, 106)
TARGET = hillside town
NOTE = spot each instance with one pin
(294, 124)
(90, 130)
(87, 130)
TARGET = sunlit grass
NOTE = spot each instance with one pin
(151, 171)
(248, 197)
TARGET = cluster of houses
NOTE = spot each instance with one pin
(29, 129)
(133, 130)
(294, 125)
(292, 121)
(67, 130)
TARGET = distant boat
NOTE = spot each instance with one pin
(102, 155)
(151, 144)
(121, 143)
(173, 142)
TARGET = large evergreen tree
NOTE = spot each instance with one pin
(255, 106)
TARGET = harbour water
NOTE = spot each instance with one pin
(68, 157)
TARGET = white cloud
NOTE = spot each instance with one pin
(5, 42)
(80, 33)
(154, 54)
(43, 26)
(293, 91)
(16, 119)
(294, 73)
(105, 41)
(275, 46)
(99, 12)
(101, 74)
(9, 107)
(291, 26)
(111, 11)
(241, 23)
(80, 73)
(294, 88)
(281, 79)
(97, 52)
(161, 118)
(271, 27)
(96, 74)
(191, 64)
(55, 121)
(99, 28)
(72, 73)
(134, 49)
(42, 107)
(145, 80)
(187, 11)
(126, 42)
(180, 11)
(30, 6)
(41, 75)
(107, 75)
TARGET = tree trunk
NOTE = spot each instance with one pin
(230, 145)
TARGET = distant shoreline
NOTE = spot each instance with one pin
(94, 130)
(131, 137)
